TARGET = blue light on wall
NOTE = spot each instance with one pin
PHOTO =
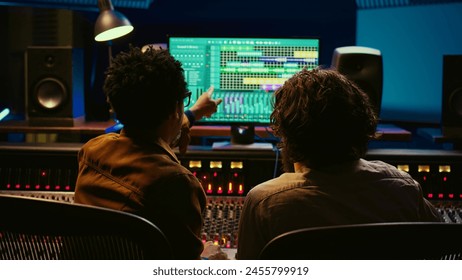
(4, 113)
(413, 40)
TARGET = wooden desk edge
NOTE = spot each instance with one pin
(196, 131)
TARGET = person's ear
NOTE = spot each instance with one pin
(177, 113)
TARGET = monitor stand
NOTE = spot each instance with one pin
(242, 138)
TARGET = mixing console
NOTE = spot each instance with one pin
(221, 220)
(451, 212)
(227, 176)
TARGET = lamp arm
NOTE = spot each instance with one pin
(104, 5)
(109, 45)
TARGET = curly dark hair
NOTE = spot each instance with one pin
(322, 118)
(143, 88)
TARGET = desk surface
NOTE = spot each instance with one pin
(387, 132)
(390, 132)
(83, 128)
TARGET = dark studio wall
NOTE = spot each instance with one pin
(333, 21)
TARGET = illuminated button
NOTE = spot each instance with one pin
(230, 188)
(444, 168)
(423, 168)
(403, 167)
(204, 237)
(240, 189)
(226, 240)
(195, 164)
(216, 239)
(237, 165)
(216, 164)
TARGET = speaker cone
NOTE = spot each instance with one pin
(50, 93)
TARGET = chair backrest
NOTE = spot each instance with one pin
(40, 229)
(381, 241)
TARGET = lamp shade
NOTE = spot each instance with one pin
(110, 24)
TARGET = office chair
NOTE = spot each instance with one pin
(40, 229)
(381, 241)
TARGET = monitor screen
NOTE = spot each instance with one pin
(243, 71)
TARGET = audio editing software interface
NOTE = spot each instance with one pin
(243, 71)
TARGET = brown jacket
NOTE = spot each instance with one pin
(145, 178)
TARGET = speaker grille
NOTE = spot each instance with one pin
(45, 27)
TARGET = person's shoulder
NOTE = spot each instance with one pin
(175, 172)
(386, 169)
(100, 139)
(284, 183)
(98, 145)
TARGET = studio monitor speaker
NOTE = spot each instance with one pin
(451, 113)
(54, 86)
(364, 67)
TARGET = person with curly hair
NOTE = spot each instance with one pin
(324, 122)
(136, 170)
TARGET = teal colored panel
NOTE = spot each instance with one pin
(413, 41)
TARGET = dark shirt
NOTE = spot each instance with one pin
(144, 178)
(355, 192)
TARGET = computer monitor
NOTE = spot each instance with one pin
(244, 72)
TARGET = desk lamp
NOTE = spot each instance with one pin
(110, 23)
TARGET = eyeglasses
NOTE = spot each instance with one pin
(187, 98)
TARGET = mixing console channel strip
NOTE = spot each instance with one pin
(50, 172)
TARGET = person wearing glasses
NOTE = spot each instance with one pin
(137, 170)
